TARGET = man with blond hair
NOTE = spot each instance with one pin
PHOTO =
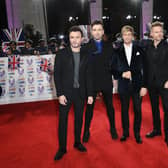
(131, 81)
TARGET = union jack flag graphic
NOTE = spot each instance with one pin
(46, 65)
(13, 62)
(12, 35)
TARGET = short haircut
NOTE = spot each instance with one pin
(12, 42)
(127, 28)
(75, 29)
(97, 22)
(157, 24)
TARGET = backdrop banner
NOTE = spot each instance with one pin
(27, 79)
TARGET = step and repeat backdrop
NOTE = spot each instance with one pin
(27, 78)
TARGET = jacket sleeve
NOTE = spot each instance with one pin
(144, 68)
(89, 79)
(117, 67)
(57, 74)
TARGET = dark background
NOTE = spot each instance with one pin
(3, 16)
(118, 11)
(59, 11)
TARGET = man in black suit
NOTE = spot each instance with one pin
(130, 82)
(101, 61)
(73, 82)
(157, 78)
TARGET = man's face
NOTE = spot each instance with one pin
(27, 45)
(157, 33)
(127, 37)
(75, 39)
(13, 46)
(97, 32)
(42, 43)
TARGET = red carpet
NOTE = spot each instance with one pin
(28, 139)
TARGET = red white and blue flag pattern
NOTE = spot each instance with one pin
(12, 35)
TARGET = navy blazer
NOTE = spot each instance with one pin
(136, 67)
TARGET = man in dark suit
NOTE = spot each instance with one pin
(101, 61)
(130, 82)
(73, 82)
(157, 78)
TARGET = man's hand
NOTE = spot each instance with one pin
(143, 92)
(90, 100)
(166, 85)
(62, 100)
(127, 75)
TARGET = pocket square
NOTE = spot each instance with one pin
(138, 53)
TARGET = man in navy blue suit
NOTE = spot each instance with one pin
(131, 81)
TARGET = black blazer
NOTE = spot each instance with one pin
(64, 73)
(136, 67)
(156, 62)
(102, 65)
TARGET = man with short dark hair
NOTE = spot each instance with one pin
(101, 59)
(41, 49)
(27, 49)
(73, 83)
(13, 48)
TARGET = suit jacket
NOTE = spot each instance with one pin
(102, 65)
(156, 63)
(136, 67)
(64, 73)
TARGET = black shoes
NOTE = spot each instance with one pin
(62, 152)
(86, 136)
(59, 154)
(153, 133)
(80, 147)
(124, 137)
(138, 139)
(114, 134)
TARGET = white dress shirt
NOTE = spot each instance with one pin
(128, 52)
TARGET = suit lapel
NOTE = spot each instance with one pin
(71, 60)
(133, 57)
(123, 54)
(82, 55)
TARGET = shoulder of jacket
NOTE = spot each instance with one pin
(62, 51)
